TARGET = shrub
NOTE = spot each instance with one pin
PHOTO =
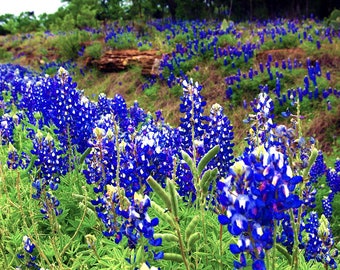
(144, 47)
(286, 42)
(95, 50)
(334, 19)
(123, 41)
(69, 45)
(4, 54)
(152, 91)
(225, 40)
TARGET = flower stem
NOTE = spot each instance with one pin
(204, 229)
(221, 247)
(273, 257)
(78, 227)
(181, 246)
(3, 254)
(295, 259)
(23, 215)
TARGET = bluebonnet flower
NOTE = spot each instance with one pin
(327, 207)
(102, 161)
(261, 130)
(28, 260)
(286, 236)
(329, 105)
(257, 191)
(51, 166)
(6, 129)
(126, 217)
(13, 157)
(49, 160)
(50, 203)
(192, 107)
(139, 223)
(320, 241)
(318, 169)
(28, 245)
(220, 133)
(333, 181)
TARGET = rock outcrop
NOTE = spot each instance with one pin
(116, 60)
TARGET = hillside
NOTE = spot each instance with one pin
(210, 54)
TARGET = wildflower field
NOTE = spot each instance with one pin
(237, 168)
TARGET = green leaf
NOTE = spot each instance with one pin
(139, 255)
(84, 155)
(224, 25)
(284, 252)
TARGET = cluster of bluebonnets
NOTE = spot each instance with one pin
(265, 197)
(233, 47)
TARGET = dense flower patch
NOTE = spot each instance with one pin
(265, 198)
(262, 196)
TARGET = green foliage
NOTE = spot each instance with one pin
(225, 40)
(288, 41)
(144, 47)
(334, 19)
(66, 23)
(5, 55)
(68, 45)
(152, 91)
(86, 17)
(24, 23)
(123, 41)
(95, 50)
(182, 38)
(176, 90)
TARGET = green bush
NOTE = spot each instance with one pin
(69, 45)
(182, 38)
(226, 39)
(287, 42)
(5, 55)
(334, 19)
(95, 50)
(144, 47)
(152, 91)
(123, 41)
